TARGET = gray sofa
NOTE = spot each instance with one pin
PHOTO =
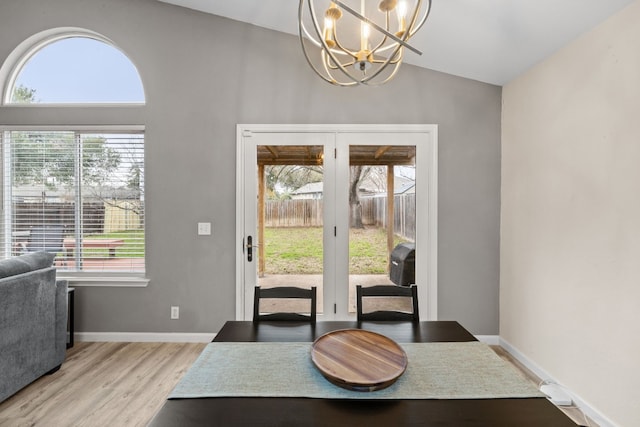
(33, 320)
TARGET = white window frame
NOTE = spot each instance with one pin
(27, 49)
(76, 278)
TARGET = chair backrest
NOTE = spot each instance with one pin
(47, 238)
(284, 293)
(384, 294)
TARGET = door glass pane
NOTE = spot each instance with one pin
(382, 216)
(290, 221)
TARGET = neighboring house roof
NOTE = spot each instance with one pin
(402, 185)
(311, 188)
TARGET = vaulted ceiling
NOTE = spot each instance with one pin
(492, 41)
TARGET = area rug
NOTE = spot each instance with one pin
(469, 370)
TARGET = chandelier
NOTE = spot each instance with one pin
(351, 44)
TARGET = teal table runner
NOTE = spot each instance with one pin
(468, 370)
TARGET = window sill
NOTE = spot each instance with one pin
(106, 281)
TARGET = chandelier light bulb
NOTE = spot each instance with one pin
(328, 32)
(402, 18)
(364, 39)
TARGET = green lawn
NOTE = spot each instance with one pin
(299, 250)
(287, 250)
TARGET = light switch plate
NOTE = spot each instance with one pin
(204, 229)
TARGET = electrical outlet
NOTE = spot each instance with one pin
(556, 394)
(175, 312)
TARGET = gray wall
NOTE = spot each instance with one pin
(203, 75)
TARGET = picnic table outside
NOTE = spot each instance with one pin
(69, 245)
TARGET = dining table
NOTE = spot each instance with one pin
(304, 411)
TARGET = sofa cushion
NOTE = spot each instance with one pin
(25, 263)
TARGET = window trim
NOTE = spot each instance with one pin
(86, 278)
(17, 59)
(105, 280)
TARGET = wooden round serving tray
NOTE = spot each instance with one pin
(358, 360)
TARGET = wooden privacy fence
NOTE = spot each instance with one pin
(308, 213)
(293, 213)
(28, 214)
(97, 217)
(122, 215)
(374, 212)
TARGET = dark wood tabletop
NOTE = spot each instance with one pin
(243, 411)
(245, 331)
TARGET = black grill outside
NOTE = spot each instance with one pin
(403, 264)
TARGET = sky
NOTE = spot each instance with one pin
(77, 70)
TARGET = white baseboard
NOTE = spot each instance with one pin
(143, 337)
(488, 339)
(588, 410)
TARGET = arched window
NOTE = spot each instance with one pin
(74, 69)
(76, 191)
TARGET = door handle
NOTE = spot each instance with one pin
(249, 248)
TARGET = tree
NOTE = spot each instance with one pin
(23, 95)
(281, 180)
(48, 158)
(357, 175)
(135, 174)
(376, 179)
(99, 161)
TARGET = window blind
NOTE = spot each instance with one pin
(79, 195)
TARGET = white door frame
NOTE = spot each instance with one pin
(426, 274)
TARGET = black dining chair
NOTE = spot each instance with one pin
(284, 293)
(382, 296)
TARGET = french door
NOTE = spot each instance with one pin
(324, 206)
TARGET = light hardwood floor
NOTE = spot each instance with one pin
(124, 384)
(102, 384)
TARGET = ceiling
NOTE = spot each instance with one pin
(492, 41)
